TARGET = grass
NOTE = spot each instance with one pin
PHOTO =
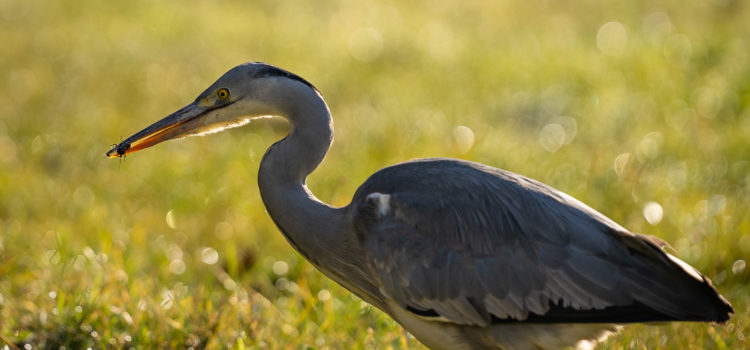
(172, 247)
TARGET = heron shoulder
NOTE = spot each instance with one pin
(476, 201)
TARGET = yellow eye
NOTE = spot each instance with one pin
(223, 93)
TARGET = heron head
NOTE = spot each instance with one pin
(243, 93)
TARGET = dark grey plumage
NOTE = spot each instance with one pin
(463, 255)
(478, 245)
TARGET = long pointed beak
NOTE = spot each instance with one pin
(170, 127)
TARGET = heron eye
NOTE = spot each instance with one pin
(223, 93)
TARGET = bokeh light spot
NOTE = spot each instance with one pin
(464, 138)
(171, 220)
(280, 268)
(621, 164)
(707, 102)
(653, 213)
(282, 283)
(570, 125)
(209, 256)
(612, 38)
(552, 137)
(324, 295)
(177, 266)
(650, 146)
(738, 267)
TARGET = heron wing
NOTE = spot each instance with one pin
(470, 244)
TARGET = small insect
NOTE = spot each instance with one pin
(121, 148)
(118, 150)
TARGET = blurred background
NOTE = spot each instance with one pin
(640, 109)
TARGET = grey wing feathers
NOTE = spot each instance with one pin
(470, 244)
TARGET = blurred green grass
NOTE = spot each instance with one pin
(104, 254)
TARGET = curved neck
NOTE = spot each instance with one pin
(320, 232)
(293, 158)
(285, 167)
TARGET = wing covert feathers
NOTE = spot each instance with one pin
(474, 245)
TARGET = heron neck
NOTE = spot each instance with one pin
(317, 230)
(302, 218)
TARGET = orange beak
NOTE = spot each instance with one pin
(170, 127)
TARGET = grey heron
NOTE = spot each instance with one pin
(462, 255)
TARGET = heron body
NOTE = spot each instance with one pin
(463, 255)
